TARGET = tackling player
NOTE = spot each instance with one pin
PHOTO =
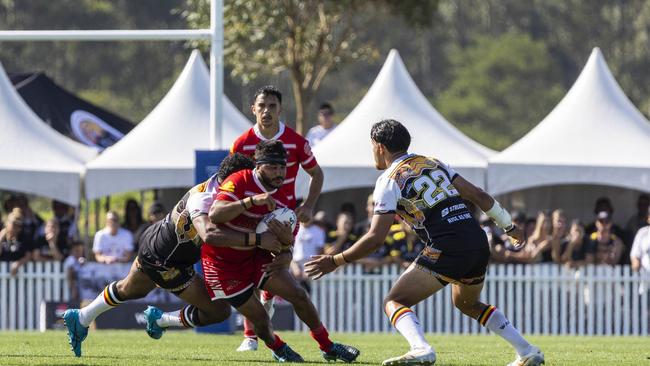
(167, 252)
(267, 107)
(234, 273)
(429, 195)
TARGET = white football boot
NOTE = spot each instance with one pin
(533, 358)
(425, 356)
(248, 344)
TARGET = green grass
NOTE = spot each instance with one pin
(188, 348)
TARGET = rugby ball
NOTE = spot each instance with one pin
(280, 214)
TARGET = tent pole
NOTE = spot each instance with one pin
(216, 74)
(97, 208)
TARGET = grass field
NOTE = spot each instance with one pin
(188, 348)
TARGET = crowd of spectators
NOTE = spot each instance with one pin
(25, 236)
(551, 237)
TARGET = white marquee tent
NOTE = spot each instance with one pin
(594, 136)
(35, 158)
(160, 151)
(346, 156)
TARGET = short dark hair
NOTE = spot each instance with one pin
(232, 164)
(270, 151)
(268, 90)
(326, 106)
(391, 134)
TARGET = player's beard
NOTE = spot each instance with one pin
(275, 182)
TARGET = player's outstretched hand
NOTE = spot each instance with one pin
(319, 266)
(304, 213)
(270, 242)
(281, 261)
(517, 237)
(264, 199)
(282, 231)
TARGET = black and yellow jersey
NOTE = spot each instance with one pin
(421, 191)
(174, 241)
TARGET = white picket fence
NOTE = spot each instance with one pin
(538, 299)
(21, 296)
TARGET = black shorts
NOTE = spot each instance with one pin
(459, 267)
(173, 279)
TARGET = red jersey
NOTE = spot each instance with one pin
(240, 185)
(298, 154)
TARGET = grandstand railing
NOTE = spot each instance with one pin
(538, 299)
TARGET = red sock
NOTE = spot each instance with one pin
(321, 336)
(267, 295)
(249, 332)
(277, 343)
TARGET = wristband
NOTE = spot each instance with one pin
(510, 228)
(339, 259)
(500, 216)
(258, 239)
(241, 202)
(248, 202)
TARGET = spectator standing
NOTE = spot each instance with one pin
(310, 240)
(72, 264)
(575, 249)
(157, 212)
(133, 220)
(11, 248)
(113, 243)
(640, 253)
(538, 243)
(604, 204)
(363, 226)
(638, 220)
(65, 216)
(32, 223)
(609, 247)
(325, 125)
(340, 239)
(48, 246)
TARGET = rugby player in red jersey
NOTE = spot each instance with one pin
(234, 273)
(267, 107)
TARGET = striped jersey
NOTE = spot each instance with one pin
(298, 154)
(421, 191)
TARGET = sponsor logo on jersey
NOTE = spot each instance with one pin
(229, 186)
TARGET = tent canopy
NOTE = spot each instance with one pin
(160, 151)
(68, 114)
(594, 135)
(34, 158)
(346, 156)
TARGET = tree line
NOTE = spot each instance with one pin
(493, 68)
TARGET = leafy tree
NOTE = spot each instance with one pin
(502, 87)
(307, 38)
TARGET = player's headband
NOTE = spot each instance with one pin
(272, 159)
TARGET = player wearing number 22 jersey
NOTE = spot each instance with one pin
(429, 195)
(421, 191)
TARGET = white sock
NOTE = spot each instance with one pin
(495, 321)
(101, 304)
(171, 319)
(407, 323)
